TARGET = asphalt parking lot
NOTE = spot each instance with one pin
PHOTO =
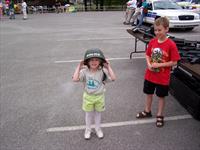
(40, 106)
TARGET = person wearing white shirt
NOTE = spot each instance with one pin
(24, 9)
(131, 6)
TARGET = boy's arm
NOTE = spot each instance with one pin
(110, 70)
(75, 77)
(165, 64)
(149, 65)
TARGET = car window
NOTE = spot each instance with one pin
(165, 5)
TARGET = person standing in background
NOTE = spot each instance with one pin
(58, 6)
(7, 3)
(24, 9)
(144, 11)
(131, 6)
(137, 12)
(1, 9)
(12, 10)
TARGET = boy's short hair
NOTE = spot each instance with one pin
(162, 21)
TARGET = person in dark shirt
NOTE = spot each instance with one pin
(11, 9)
(57, 5)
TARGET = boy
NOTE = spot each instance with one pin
(161, 55)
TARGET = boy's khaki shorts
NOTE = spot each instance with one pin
(93, 102)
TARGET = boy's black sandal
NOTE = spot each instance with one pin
(143, 114)
(159, 121)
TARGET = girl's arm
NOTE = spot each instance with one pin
(75, 77)
(110, 70)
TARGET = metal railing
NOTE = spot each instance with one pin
(45, 9)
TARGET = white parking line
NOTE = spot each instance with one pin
(91, 39)
(117, 124)
(122, 58)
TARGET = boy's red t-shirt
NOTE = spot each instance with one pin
(161, 52)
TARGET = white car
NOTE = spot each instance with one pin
(178, 17)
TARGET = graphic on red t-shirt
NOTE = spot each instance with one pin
(158, 56)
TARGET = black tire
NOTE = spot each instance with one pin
(157, 17)
(189, 29)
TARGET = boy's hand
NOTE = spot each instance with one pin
(150, 66)
(155, 65)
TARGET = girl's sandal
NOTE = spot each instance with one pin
(159, 121)
(143, 114)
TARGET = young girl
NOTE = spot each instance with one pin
(94, 75)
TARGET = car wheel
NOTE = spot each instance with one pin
(157, 17)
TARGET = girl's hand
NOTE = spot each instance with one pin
(81, 63)
(75, 77)
(106, 64)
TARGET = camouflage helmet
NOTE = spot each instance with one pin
(93, 53)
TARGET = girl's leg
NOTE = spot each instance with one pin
(148, 103)
(97, 120)
(98, 130)
(88, 119)
(88, 122)
(161, 105)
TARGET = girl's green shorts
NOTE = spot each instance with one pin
(93, 102)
